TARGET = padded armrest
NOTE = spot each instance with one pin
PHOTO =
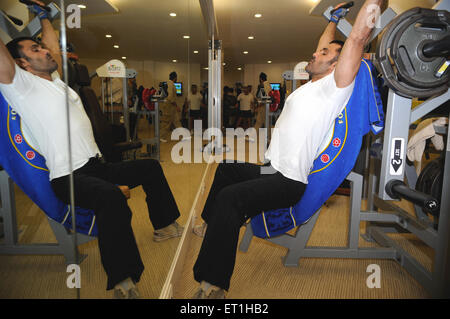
(126, 146)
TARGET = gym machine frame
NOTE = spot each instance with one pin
(395, 219)
(156, 99)
(266, 101)
(129, 73)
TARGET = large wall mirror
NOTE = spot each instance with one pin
(124, 55)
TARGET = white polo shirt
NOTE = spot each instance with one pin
(195, 101)
(308, 115)
(41, 105)
(246, 101)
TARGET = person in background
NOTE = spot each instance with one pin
(204, 105)
(261, 108)
(246, 104)
(171, 112)
(229, 107)
(194, 102)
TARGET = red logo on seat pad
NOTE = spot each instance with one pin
(30, 155)
(337, 142)
(18, 138)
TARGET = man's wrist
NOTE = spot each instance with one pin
(334, 20)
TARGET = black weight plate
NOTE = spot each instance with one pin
(436, 179)
(435, 184)
(431, 178)
(415, 69)
(385, 60)
(422, 180)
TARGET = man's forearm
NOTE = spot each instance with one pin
(352, 52)
(366, 20)
(51, 41)
(7, 65)
(328, 35)
(49, 36)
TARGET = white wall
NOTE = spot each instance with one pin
(400, 6)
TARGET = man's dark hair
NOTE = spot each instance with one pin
(263, 76)
(172, 75)
(14, 47)
(338, 42)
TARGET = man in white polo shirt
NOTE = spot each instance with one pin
(246, 104)
(239, 190)
(30, 83)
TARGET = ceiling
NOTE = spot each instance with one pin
(143, 29)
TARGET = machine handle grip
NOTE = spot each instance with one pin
(348, 5)
(31, 3)
(397, 189)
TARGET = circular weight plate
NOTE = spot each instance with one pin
(422, 180)
(402, 33)
(431, 178)
(415, 69)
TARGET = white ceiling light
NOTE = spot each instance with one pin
(206, 68)
(251, 37)
(186, 37)
(116, 46)
(269, 62)
(196, 52)
(124, 58)
(245, 52)
(173, 14)
(82, 6)
(239, 69)
(258, 15)
(108, 36)
(174, 61)
(224, 63)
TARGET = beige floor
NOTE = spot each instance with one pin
(260, 274)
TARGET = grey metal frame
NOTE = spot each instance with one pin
(155, 140)
(11, 246)
(442, 5)
(297, 244)
(129, 73)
